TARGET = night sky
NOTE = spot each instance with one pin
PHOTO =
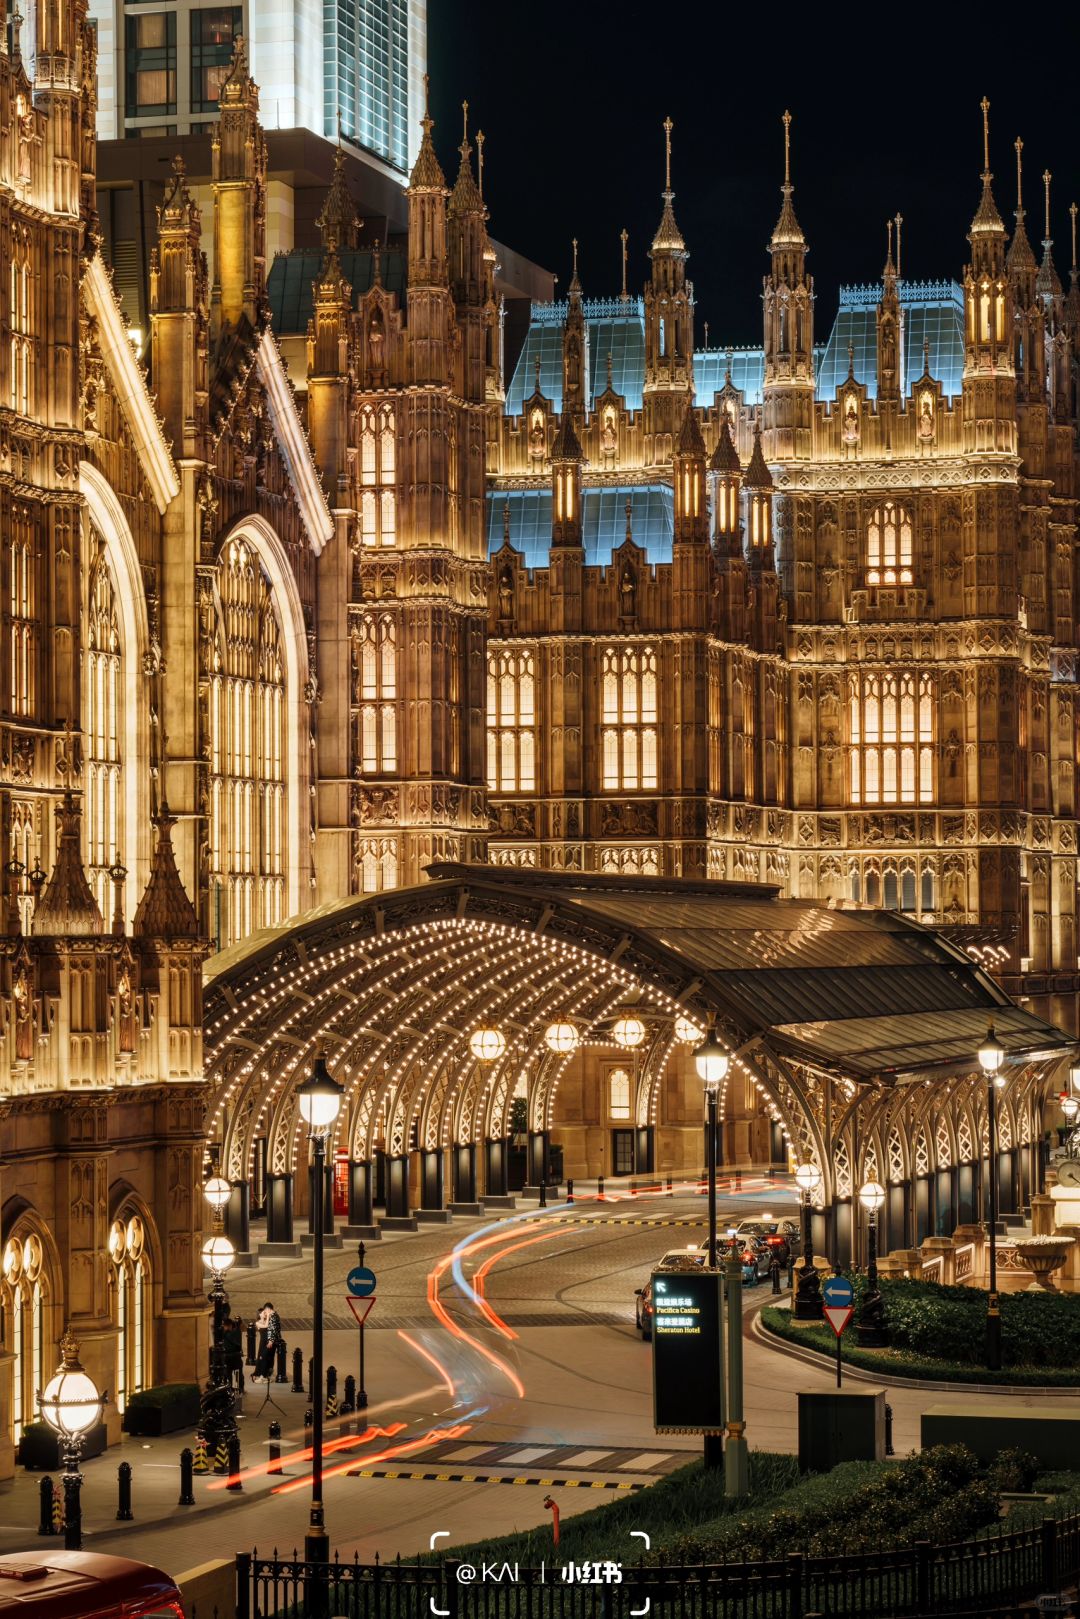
(885, 101)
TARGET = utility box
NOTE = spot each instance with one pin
(838, 1426)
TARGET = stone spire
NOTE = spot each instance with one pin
(787, 232)
(1020, 260)
(1048, 282)
(338, 222)
(725, 457)
(67, 907)
(758, 475)
(987, 234)
(465, 197)
(165, 911)
(668, 238)
(427, 174)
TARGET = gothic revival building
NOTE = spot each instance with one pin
(326, 597)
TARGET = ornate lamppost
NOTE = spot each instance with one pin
(808, 1293)
(872, 1331)
(320, 1102)
(712, 1062)
(218, 1256)
(71, 1405)
(991, 1057)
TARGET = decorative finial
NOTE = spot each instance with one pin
(730, 363)
(899, 222)
(427, 122)
(16, 30)
(888, 233)
(538, 373)
(506, 522)
(706, 335)
(668, 127)
(624, 238)
(926, 356)
(1019, 145)
(851, 359)
(573, 244)
(985, 104)
(480, 163)
(609, 383)
(787, 152)
(464, 123)
(629, 518)
(1072, 215)
(1046, 184)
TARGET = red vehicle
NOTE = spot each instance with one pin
(83, 1585)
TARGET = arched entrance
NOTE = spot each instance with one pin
(853, 1036)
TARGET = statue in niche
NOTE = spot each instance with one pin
(926, 415)
(851, 419)
(506, 593)
(888, 348)
(377, 339)
(609, 439)
(573, 367)
(536, 434)
(628, 592)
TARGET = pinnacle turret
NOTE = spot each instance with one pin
(725, 457)
(1048, 282)
(787, 232)
(427, 174)
(338, 221)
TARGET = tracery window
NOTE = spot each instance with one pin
(628, 738)
(641, 861)
(511, 720)
(247, 751)
(378, 463)
(378, 694)
(892, 732)
(103, 810)
(377, 859)
(23, 601)
(131, 1281)
(943, 1146)
(888, 546)
(21, 350)
(618, 1094)
(24, 1288)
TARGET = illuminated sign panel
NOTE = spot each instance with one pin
(688, 1352)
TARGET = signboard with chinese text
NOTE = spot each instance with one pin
(688, 1351)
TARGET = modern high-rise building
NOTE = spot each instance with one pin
(350, 66)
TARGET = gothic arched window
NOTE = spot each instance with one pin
(889, 546)
(131, 1279)
(891, 754)
(25, 1293)
(248, 733)
(511, 720)
(377, 682)
(628, 742)
(103, 818)
(378, 464)
(618, 1094)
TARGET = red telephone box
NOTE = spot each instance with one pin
(341, 1184)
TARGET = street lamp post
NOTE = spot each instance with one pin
(991, 1058)
(736, 1450)
(808, 1294)
(71, 1405)
(320, 1102)
(711, 1062)
(872, 1331)
(218, 1254)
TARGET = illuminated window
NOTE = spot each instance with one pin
(131, 1307)
(378, 463)
(19, 322)
(892, 732)
(628, 734)
(25, 1295)
(378, 694)
(365, 53)
(103, 804)
(511, 721)
(888, 546)
(150, 64)
(377, 861)
(212, 34)
(618, 1094)
(23, 606)
(247, 752)
(640, 861)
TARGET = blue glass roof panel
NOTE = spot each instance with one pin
(614, 328)
(747, 373)
(932, 311)
(652, 521)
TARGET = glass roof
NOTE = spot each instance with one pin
(292, 277)
(747, 373)
(614, 328)
(603, 521)
(933, 311)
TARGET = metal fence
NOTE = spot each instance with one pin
(966, 1577)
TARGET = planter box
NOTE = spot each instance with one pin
(39, 1449)
(151, 1420)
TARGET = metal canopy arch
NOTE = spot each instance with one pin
(826, 1008)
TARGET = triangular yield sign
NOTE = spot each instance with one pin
(838, 1316)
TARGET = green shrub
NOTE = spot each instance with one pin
(164, 1394)
(1013, 1470)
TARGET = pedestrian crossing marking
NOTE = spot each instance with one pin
(621, 1485)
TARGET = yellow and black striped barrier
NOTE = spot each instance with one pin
(623, 1485)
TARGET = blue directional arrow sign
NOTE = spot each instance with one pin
(838, 1292)
(360, 1282)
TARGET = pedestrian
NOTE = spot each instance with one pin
(233, 1334)
(268, 1323)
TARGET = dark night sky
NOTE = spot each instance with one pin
(885, 101)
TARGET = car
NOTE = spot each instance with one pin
(781, 1234)
(676, 1259)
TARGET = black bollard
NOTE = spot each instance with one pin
(543, 1194)
(600, 1186)
(123, 1483)
(670, 1187)
(331, 1382)
(297, 1371)
(234, 1464)
(274, 1464)
(249, 1358)
(187, 1491)
(280, 1353)
(889, 1451)
(569, 1189)
(348, 1402)
(310, 1379)
(45, 1492)
(307, 1417)
(791, 1273)
(774, 1272)
(738, 1180)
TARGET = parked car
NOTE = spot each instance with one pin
(676, 1259)
(784, 1235)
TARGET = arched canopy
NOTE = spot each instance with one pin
(808, 999)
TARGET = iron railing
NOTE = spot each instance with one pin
(971, 1577)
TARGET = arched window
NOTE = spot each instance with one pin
(511, 720)
(131, 1282)
(927, 886)
(23, 608)
(103, 689)
(889, 546)
(20, 368)
(377, 861)
(891, 753)
(629, 749)
(907, 889)
(248, 731)
(25, 1292)
(377, 683)
(892, 893)
(618, 1094)
(378, 463)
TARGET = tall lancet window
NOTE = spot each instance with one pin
(103, 696)
(892, 737)
(378, 473)
(248, 732)
(889, 546)
(377, 682)
(628, 735)
(511, 720)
